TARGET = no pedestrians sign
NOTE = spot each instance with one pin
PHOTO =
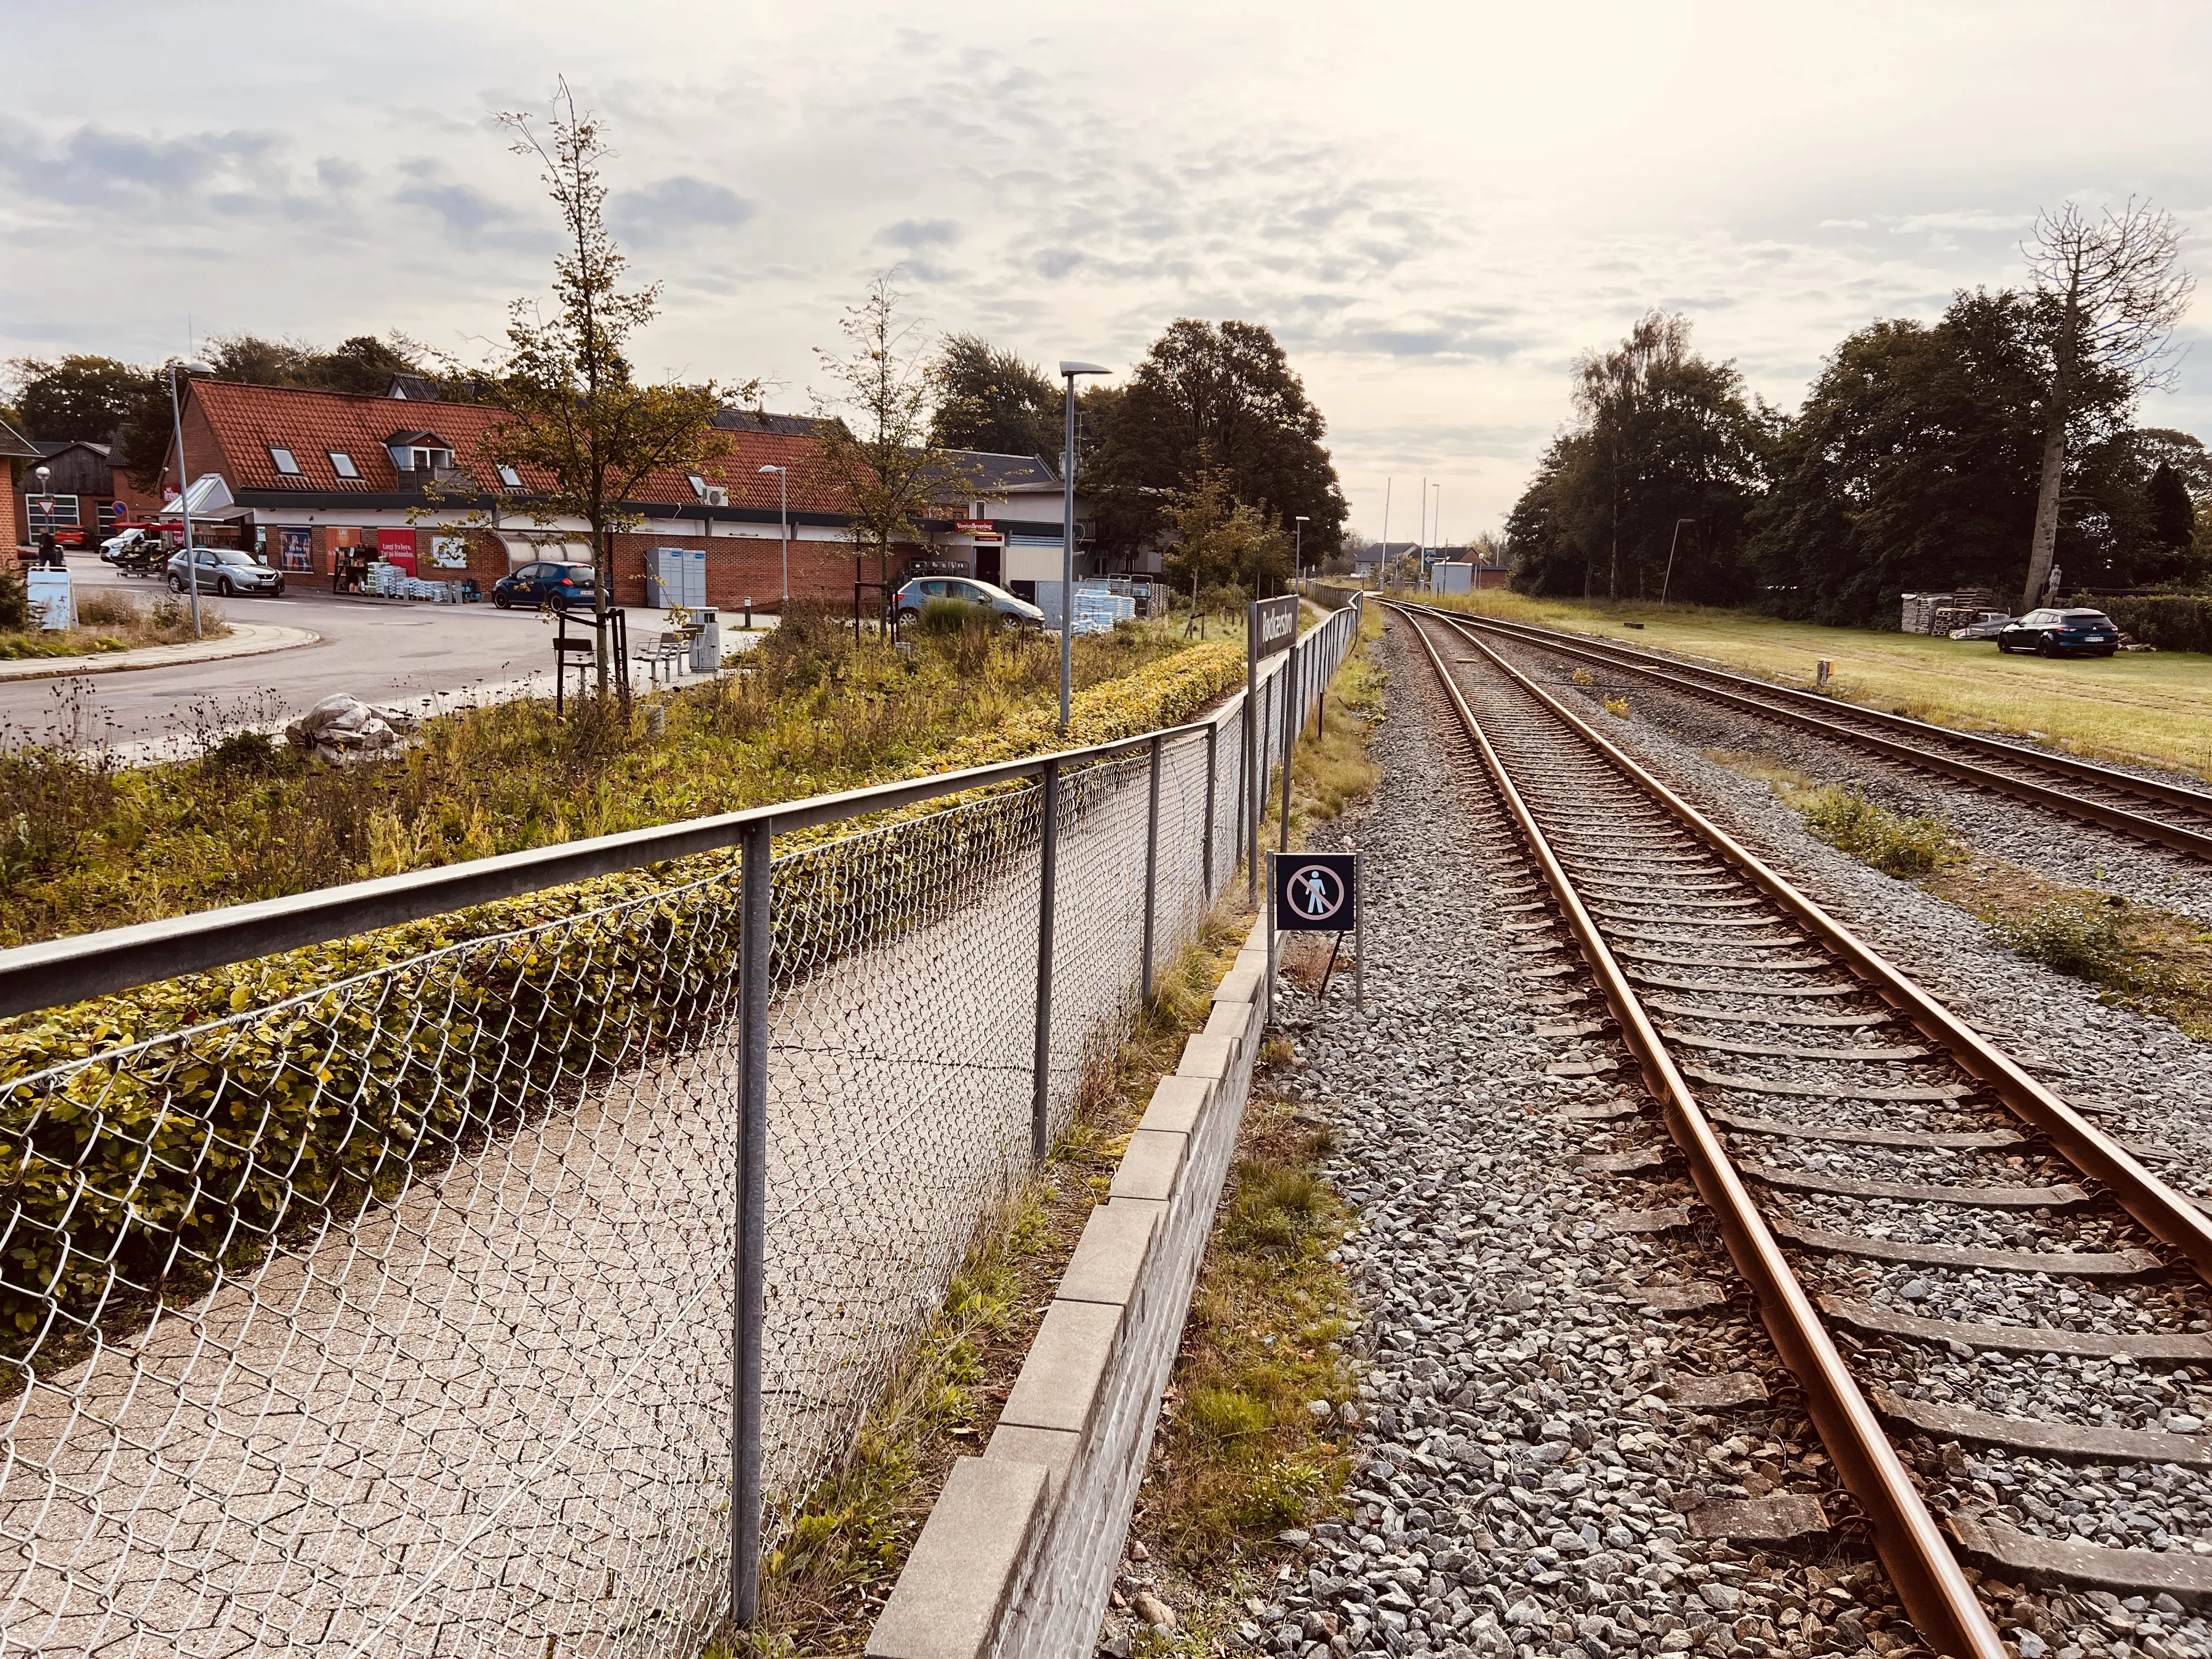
(1316, 892)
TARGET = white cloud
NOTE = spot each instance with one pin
(1436, 206)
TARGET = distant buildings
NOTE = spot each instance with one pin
(301, 475)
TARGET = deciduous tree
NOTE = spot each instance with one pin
(77, 395)
(886, 383)
(573, 418)
(1211, 396)
(2110, 291)
(1220, 542)
(990, 400)
(1662, 435)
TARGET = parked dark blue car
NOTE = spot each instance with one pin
(546, 583)
(2058, 633)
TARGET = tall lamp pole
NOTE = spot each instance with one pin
(1668, 582)
(185, 491)
(783, 484)
(1298, 547)
(1068, 373)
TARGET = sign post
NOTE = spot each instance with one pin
(1318, 893)
(1270, 626)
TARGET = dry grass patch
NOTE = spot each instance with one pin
(824, 1587)
(2154, 708)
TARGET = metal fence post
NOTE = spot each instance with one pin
(1151, 866)
(1293, 715)
(1047, 879)
(1247, 807)
(1206, 845)
(755, 926)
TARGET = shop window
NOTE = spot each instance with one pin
(285, 464)
(342, 463)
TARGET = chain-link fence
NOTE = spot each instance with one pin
(495, 1300)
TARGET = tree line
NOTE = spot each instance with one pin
(1981, 449)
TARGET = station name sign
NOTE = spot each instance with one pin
(1275, 625)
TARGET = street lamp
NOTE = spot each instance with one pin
(184, 489)
(783, 485)
(1298, 547)
(1068, 373)
(1668, 582)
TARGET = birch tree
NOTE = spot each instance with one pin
(2110, 290)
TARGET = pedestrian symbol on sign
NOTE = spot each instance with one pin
(1315, 892)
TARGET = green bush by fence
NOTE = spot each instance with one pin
(2171, 621)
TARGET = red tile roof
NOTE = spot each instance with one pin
(248, 420)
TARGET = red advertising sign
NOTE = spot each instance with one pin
(976, 526)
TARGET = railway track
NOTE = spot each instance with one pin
(1987, 1302)
(2148, 809)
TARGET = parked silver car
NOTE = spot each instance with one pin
(225, 570)
(1987, 627)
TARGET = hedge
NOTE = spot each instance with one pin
(150, 1140)
(2171, 621)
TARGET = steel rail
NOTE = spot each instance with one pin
(1688, 678)
(1935, 1593)
(2167, 1216)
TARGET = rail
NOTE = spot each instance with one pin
(1796, 706)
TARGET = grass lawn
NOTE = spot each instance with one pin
(2149, 707)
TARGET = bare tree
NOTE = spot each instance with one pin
(582, 433)
(2114, 289)
(888, 381)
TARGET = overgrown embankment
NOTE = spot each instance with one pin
(87, 843)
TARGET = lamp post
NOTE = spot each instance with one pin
(1298, 547)
(185, 490)
(783, 485)
(1669, 580)
(1068, 373)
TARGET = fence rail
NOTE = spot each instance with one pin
(509, 1297)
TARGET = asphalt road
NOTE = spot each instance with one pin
(382, 651)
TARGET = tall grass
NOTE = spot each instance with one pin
(98, 845)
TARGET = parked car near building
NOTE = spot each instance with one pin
(2056, 632)
(965, 590)
(546, 583)
(225, 570)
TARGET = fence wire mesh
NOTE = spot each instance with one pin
(396, 1316)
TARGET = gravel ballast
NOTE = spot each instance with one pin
(1524, 1485)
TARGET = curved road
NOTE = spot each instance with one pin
(382, 651)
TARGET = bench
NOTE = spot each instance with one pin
(671, 651)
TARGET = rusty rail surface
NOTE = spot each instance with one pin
(1935, 1591)
(1791, 704)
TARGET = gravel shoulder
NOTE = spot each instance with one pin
(1522, 1478)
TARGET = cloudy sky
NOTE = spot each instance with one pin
(1435, 206)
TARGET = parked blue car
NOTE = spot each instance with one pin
(546, 583)
(2058, 633)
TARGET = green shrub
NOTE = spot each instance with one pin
(2171, 621)
(14, 598)
(941, 618)
(2087, 942)
(1890, 841)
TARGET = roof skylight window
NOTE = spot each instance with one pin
(342, 463)
(285, 464)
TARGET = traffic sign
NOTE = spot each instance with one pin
(1316, 892)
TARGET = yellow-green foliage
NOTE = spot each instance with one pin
(319, 1091)
(1892, 842)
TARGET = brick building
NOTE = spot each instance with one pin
(18, 455)
(407, 476)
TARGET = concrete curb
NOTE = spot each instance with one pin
(243, 640)
(1017, 1559)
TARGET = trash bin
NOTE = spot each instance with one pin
(707, 644)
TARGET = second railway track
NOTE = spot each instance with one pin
(2155, 810)
(1997, 1314)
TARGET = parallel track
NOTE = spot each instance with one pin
(1762, 1026)
(2148, 809)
